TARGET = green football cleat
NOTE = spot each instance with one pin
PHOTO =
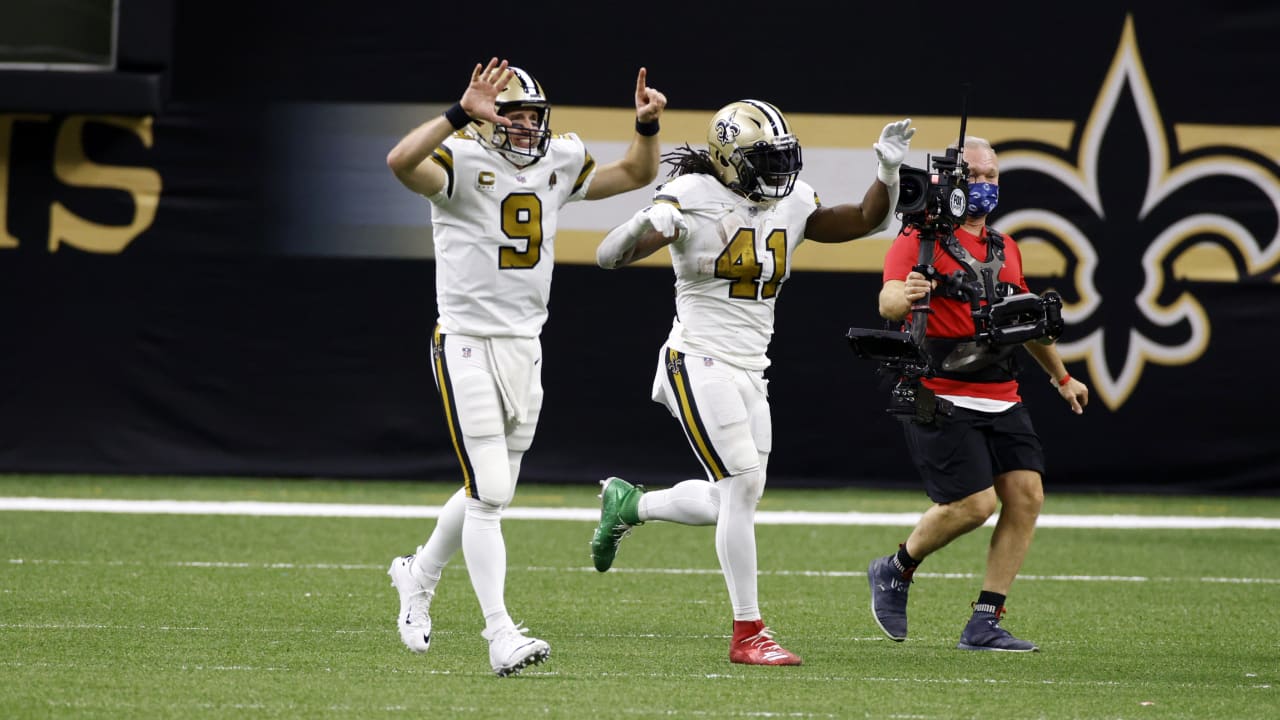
(619, 501)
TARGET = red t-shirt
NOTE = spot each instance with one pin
(951, 318)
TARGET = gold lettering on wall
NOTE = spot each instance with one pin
(72, 166)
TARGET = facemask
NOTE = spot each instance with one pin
(983, 198)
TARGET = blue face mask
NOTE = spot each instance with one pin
(983, 198)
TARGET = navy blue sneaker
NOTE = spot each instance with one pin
(984, 633)
(889, 588)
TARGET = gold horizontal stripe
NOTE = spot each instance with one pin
(1264, 140)
(860, 131)
(814, 130)
(827, 130)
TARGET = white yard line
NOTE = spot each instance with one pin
(764, 517)
(364, 567)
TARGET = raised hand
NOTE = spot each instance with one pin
(649, 102)
(895, 138)
(481, 97)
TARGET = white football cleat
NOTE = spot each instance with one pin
(414, 620)
(511, 650)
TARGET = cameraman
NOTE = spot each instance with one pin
(981, 447)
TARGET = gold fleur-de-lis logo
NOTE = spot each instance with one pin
(1138, 226)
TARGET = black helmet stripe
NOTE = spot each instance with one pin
(778, 122)
(526, 81)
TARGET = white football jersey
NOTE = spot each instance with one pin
(731, 266)
(494, 227)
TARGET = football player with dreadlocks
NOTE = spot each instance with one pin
(496, 177)
(732, 216)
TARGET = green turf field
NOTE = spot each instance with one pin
(107, 615)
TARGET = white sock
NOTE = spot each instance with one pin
(736, 542)
(485, 552)
(692, 502)
(446, 538)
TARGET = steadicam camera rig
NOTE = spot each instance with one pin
(934, 204)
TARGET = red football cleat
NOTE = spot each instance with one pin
(753, 645)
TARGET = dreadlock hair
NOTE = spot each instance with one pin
(685, 160)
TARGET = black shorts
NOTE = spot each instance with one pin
(960, 454)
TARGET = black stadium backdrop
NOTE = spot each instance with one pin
(205, 267)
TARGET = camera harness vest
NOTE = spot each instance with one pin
(973, 360)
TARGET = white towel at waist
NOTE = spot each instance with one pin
(513, 360)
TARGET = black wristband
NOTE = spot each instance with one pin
(457, 117)
(647, 129)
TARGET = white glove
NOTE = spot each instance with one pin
(666, 220)
(892, 149)
(617, 247)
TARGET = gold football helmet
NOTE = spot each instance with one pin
(521, 92)
(753, 150)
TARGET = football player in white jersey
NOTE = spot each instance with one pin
(732, 217)
(496, 177)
